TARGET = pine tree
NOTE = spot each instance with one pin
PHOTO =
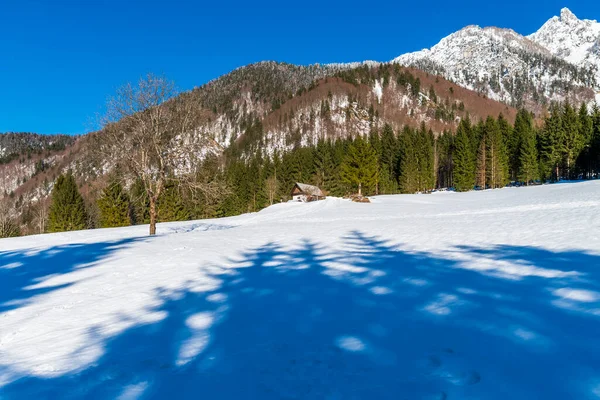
(171, 205)
(515, 143)
(359, 168)
(432, 95)
(497, 155)
(482, 158)
(323, 166)
(375, 142)
(464, 168)
(409, 168)
(595, 141)
(586, 127)
(528, 160)
(67, 210)
(389, 161)
(424, 141)
(574, 142)
(551, 139)
(339, 150)
(114, 205)
(140, 203)
(445, 163)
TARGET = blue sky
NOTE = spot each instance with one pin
(61, 59)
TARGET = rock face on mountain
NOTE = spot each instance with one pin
(557, 63)
(571, 39)
(272, 106)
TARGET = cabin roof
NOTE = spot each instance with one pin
(309, 189)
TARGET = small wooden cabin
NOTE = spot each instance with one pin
(305, 193)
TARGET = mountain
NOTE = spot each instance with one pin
(13, 144)
(27, 155)
(488, 295)
(571, 39)
(272, 107)
(557, 63)
(298, 105)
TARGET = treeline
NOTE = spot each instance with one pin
(23, 146)
(486, 154)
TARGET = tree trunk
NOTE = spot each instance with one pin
(360, 189)
(152, 215)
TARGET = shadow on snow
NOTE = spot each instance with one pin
(366, 322)
(23, 273)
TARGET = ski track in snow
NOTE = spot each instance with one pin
(480, 295)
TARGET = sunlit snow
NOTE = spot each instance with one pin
(481, 295)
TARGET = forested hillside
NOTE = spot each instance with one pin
(18, 145)
(260, 112)
(250, 135)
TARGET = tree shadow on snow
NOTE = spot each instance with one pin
(24, 273)
(369, 321)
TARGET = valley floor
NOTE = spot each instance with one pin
(480, 295)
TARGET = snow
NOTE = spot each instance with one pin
(482, 295)
(378, 90)
(473, 55)
(574, 40)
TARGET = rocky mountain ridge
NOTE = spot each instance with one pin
(558, 62)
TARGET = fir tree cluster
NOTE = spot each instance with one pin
(488, 154)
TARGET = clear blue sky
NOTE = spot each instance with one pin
(61, 59)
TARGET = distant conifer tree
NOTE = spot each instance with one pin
(359, 168)
(529, 168)
(464, 165)
(171, 205)
(409, 171)
(114, 206)
(497, 155)
(67, 210)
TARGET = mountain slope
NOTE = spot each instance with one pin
(330, 299)
(13, 145)
(515, 69)
(574, 40)
(268, 107)
(280, 105)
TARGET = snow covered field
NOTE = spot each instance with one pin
(482, 295)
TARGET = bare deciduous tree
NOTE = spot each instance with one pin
(8, 225)
(41, 208)
(41, 216)
(151, 134)
(272, 186)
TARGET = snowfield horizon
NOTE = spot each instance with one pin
(492, 294)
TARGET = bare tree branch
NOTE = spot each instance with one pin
(153, 136)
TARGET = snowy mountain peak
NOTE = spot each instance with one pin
(559, 61)
(574, 40)
(567, 16)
